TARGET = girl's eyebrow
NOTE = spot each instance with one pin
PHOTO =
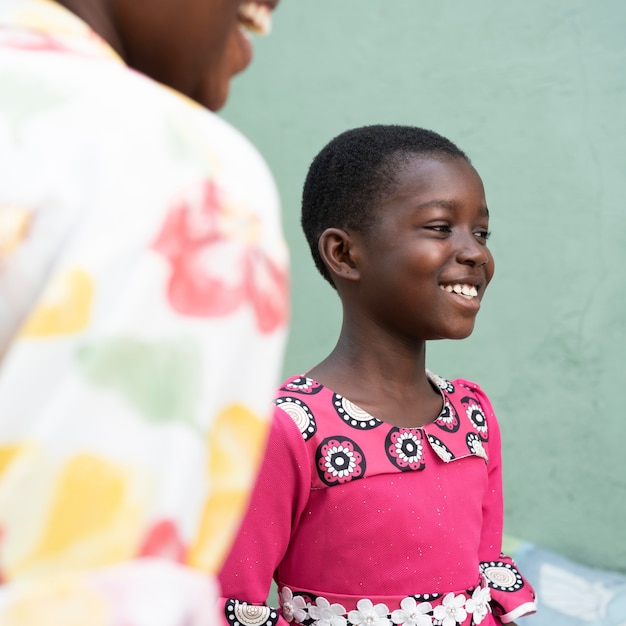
(448, 204)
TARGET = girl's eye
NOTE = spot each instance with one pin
(483, 235)
(440, 228)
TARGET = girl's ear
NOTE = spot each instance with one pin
(336, 247)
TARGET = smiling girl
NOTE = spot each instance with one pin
(380, 498)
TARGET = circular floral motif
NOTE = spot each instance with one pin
(303, 385)
(339, 460)
(440, 449)
(244, 614)
(405, 449)
(501, 575)
(448, 419)
(300, 414)
(477, 416)
(475, 445)
(354, 415)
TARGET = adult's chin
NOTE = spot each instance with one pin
(213, 97)
(215, 89)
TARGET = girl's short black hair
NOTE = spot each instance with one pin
(353, 173)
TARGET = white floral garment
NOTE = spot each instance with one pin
(143, 310)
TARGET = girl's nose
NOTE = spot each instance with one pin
(471, 251)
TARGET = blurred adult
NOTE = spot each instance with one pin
(143, 307)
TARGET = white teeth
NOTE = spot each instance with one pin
(468, 291)
(256, 18)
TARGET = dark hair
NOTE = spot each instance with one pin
(353, 173)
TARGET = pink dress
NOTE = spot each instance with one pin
(361, 523)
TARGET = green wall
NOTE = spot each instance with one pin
(535, 92)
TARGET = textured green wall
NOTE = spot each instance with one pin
(535, 92)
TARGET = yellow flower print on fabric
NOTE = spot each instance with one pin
(65, 307)
(91, 515)
(59, 599)
(160, 379)
(236, 443)
(14, 225)
(45, 16)
(7, 453)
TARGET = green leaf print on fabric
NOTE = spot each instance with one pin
(160, 379)
(186, 146)
(22, 100)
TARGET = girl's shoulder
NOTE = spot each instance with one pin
(462, 388)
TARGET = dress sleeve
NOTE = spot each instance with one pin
(512, 596)
(278, 499)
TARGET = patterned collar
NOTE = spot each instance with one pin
(461, 429)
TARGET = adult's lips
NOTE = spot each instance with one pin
(254, 16)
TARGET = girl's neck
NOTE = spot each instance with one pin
(384, 377)
(373, 359)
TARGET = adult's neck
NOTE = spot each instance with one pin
(99, 16)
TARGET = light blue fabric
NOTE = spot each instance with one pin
(568, 593)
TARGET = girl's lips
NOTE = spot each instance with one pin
(464, 294)
(467, 290)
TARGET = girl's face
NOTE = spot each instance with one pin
(425, 265)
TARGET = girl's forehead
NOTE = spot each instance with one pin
(450, 185)
(427, 175)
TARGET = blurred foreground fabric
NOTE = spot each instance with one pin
(143, 314)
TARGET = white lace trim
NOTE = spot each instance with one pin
(451, 610)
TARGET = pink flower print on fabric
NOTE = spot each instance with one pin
(411, 613)
(326, 614)
(452, 611)
(216, 263)
(89, 45)
(37, 41)
(368, 614)
(163, 540)
(294, 607)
